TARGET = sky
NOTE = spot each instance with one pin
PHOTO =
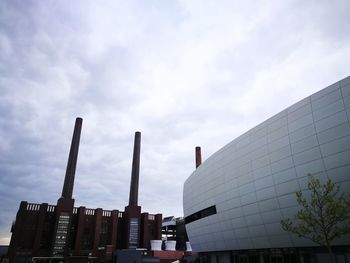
(185, 73)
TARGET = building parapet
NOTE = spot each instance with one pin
(33, 207)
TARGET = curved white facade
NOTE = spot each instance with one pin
(252, 180)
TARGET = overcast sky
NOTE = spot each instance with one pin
(184, 73)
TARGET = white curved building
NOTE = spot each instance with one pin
(234, 201)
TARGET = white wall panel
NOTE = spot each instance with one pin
(252, 180)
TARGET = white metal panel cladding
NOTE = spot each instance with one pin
(252, 180)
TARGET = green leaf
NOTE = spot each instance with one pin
(323, 218)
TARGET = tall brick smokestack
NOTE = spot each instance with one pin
(67, 190)
(135, 171)
(198, 156)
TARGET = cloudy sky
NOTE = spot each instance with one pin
(184, 73)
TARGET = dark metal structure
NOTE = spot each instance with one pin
(174, 229)
(198, 156)
(62, 232)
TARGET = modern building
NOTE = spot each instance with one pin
(62, 232)
(234, 201)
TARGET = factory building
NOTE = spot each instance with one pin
(234, 201)
(63, 232)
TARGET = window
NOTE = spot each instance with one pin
(201, 214)
(134, 233)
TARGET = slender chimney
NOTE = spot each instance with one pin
(72, 161)
(135, 171)
(198, 156)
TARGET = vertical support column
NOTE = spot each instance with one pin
(39, 229)
(158, 221)
(80, 229)
(98, 222)
(132, 221)
(17, 229)
(144, 231)
(198, 156)
(114, 232)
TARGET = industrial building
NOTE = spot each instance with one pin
(65, 233)
(234, 201)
